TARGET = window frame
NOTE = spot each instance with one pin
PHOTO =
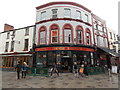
(54, 14)
(43, 15)
(54, 27)
(12, 45)
(80, 17)
(79, 28)
(86, 18)
(68, 26)
(67, 15)
(42, 28)
(88, 32)
(26, 45)
(6, 46)
(8, 35)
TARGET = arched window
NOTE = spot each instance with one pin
(54, 33)
(79, 35)
(88, 37)
(42, 35)
(67, 33)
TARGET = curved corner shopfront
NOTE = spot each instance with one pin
(63, 55)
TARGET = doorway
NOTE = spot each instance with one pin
(66, 64)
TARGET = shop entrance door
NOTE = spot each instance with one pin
(66, 64)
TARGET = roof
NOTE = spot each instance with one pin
(63, 2)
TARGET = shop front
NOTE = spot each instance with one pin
(64, 56)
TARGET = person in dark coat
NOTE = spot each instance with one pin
(75, 66)
(85, 69)
(18, 69)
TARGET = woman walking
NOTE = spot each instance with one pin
(24, 70)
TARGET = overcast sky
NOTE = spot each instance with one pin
(22, 13)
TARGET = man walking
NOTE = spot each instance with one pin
(18, 69)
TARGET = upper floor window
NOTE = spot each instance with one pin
(86, 18)
(67, 34)
(67, 12)
(42, 35)
(103, 28)
(79, 36)
(12, 45)
(88, 37)
(8, 35)
(26, 44)
(54, 33)
(110, 35)
(54, 13)
(43, 15)
(78, 15)
(6, 46)
(114, 37)
(27, 31)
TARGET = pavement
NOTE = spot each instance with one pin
(65, 80)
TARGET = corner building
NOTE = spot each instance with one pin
(63, 35)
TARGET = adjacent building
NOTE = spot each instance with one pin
(16, 44)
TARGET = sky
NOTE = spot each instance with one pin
(22, 13)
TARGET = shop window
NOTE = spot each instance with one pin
(4, 61)
(54, 13)
(54, 33)
(80, 35)
(26, 44)
(78, 15)
(6, 46)
(12, 45)
(67, 13)
(42, 35)
(88, 37)
(8, 35)
(12, 62)
(43, 15)
(67, 31)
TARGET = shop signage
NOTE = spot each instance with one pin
(64, 48)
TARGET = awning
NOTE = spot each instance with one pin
(109, 51)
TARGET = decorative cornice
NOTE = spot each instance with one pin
(56, 19)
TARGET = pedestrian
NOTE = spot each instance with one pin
(85, 69)
(56, 69)
(109, 70)
(51, 69)
(75, 69)
(18, 69)
(24, 69)
(81, 70)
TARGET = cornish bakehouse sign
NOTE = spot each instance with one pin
(64, 48)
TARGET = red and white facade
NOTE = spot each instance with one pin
(63, 31)
(56, 20)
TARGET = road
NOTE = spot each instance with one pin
(65, 80)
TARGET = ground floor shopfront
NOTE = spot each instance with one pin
(10, 61)
(64, 56)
